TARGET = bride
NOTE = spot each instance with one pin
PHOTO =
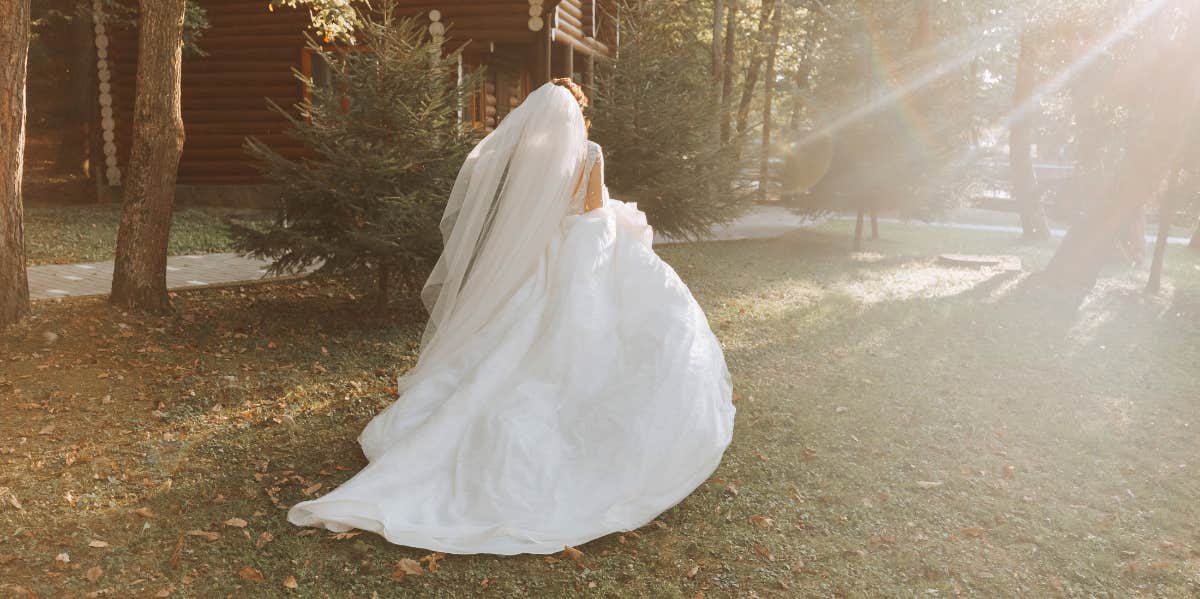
(568, 385)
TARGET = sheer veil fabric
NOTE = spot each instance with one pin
(568, 387)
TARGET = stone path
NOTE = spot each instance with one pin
(95, 278)
(77, 280)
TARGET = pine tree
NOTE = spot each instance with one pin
(385, 141)
(655, 115)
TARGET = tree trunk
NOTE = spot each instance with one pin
(1152, 155)
(1166, 212)
(727, 75)
(764, 166)
(1195, 243)
(874, 224)
(1020, 148)
(718, 57)
(752, 72)
(717, 68)
(858, 230)
(14, 55)
(73, 156)
(140, 270)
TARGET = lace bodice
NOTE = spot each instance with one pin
(580, 198)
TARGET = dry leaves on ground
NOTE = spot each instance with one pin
(406, 567)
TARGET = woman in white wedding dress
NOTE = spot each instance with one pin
(568, 386)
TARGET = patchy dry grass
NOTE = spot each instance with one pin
(88, 233)
(904, 429)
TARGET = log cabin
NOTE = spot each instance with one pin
(251, 53)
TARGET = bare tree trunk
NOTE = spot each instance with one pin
(14, 55)
(874, 224)
(858, 230)
(1020, 149)
(752, 73)
(717, 70)
(764, 165)
(140, 271)
(727, 76)
(1166, 213)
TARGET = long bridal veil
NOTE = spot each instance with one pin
(506, 206)
(507, 202)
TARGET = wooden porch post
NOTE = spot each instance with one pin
(545, 45)
(589, 74)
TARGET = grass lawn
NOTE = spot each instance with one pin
(70, 234)
(904, 429)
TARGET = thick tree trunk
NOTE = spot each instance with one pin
(752, 73)
(1166, 213)
(14, 54)
(1020, 149)
(727, 75)
(140, 271)
(1151, 156)
(764, 165)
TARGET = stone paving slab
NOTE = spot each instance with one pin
(95, 278)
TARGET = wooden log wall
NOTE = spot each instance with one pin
(252, 51)
(251, 54)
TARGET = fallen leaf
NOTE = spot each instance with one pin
(761, 521)
(764, 552)
(263, 539)
(487, 582)
(251, 574)
(572, 554)
(63, 558)
(12, 499)
(236, 523)
(691, 573)
(204, 534)
(973, 532)
(431, 561)
(97, 544)
(144, 512)
(164, 593)
(929, 484)
(290, 583)
(342, 536)
(93, 574)
(406, 567)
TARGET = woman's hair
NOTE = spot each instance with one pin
(576, 91)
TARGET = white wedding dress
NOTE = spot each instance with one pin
(592, 397)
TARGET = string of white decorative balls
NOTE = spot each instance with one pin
(437, 29)
(107, 123)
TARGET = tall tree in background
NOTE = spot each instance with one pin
(750, 78)
(730, 56)
(1169, 101)
(1166, 216)
(717, 61)
(140, 269)
(764, 165)
(1020, 144)
(14, 53)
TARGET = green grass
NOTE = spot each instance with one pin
(70, 234)
(904, 430)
